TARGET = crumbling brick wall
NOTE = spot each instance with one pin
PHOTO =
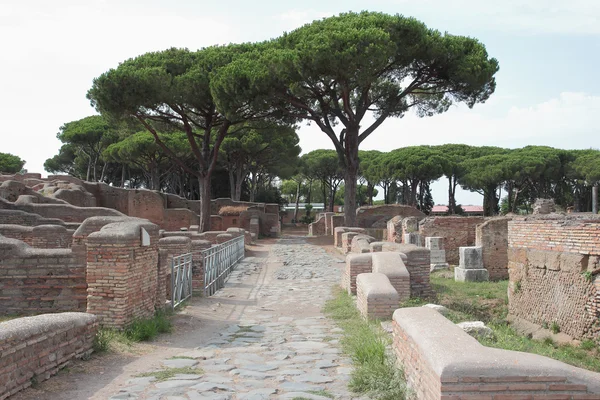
(40, 280)
(492, 237)
(34, 348)
(554, 272)
(456, 231)
(368, 215)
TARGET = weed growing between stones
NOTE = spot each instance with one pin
(488, 302)
(138, 331)
(374, 371)
(169, 373)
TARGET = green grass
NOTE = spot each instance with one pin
(488, 302)
(139, 330)
(374, 371)
(323, 393)
(169, 373)
(4, 318)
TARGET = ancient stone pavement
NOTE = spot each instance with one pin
(278, 346)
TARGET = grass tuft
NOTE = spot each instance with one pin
(169, 373)
(140, 330)
(374, 371)
(488, 302)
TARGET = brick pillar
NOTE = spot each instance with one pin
(417, 262)
(168, 247)
(122, 272)
(198, 266)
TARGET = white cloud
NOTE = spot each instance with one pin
(532, 16)
(570, 121)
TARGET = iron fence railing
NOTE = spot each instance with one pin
(219, 261)
(181, 279)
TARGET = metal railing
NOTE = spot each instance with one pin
(181, 279)
(219, 261)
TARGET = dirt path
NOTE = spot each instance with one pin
(261, 337)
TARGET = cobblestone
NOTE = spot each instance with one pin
(280, 347)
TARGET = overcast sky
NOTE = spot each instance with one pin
(548, 90)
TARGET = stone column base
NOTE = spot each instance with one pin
(439, 266)
(471, 275)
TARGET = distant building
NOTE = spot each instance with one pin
(470, 210)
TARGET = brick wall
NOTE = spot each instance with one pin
(34, 348)
(18, 217)
(40, 280)
(554, 269)
(456, 231)
(441, 361)
(317, 228)
(369, 215)
(492, 237)
(418, 264)
(122, 274)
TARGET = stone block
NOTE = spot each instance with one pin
(412, 238)
(434, 243)
(471, 275)
(438, 260)
(355, 264)
(376, 298)
(392, 266)
(471, 257)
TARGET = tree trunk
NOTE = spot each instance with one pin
(370, 189)
(332, 197)
(204, 182)
(297, 201)
(451, 198)
(123, 176)
(231, 184)
(253, 186)
(239, 180)
(324, 187)
(89, 169)
(154, 179)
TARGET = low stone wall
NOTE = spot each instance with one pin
(32, 349)
(317, 228)
(40, 236)
(355, 264)
(340, 230)
(40, 280)
(554, 269)
(392, 266)
(492, 237)
(441, 361)
(418, 264)
(456, 231)
(376, 298)
(361, 244)
(18, 217)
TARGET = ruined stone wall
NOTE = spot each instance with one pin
(368, 216)
(18, 217)
(492, 237)
(41, 236)
(34, 348)
(456, 231)
(40, 280)
(441, 361)
(554, 272)
(317, 228)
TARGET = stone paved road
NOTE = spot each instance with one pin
(278, 346)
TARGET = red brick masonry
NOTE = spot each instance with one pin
(34, 348)
(441, 361)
